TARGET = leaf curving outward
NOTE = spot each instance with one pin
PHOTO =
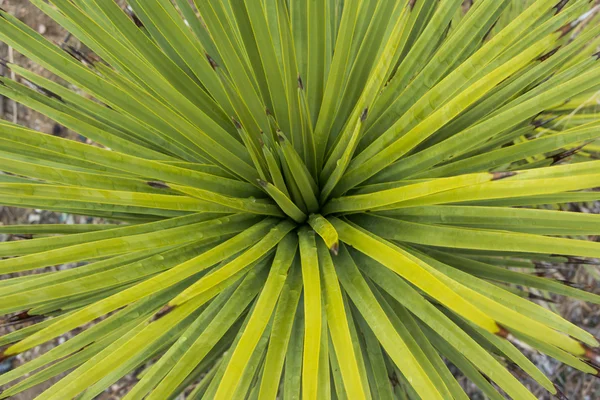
(302, 199)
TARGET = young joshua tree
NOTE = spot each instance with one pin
(322, 199)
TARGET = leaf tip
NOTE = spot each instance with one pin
(496, 176)
(280, 136)
(164, 311)
(549, 54)
(560, 5)
(211, 61)
(237, 123)
(138, 22)
(158, 185)
(502, 332)
(591, 354)
(78, 55)
(335, 248)
(300, 83)
(566, 154)
(262, 183)
(565, 29)
(22, 236)
(364, 114)
(19, 317)
(559, 393)
(538, 123)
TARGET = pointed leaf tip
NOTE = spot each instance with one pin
(503, 333)
(78, 55)
(561, 4)
(335, 248)
(18, 317)
(591, 354)
(300, 83)
(559, 394)
(539, 123)
(164, 311)
(212, 61)
(502, 175)
(22, 236)
(364, 115)
(237, 123)
(549, 54)
(158, 185)
(136, 20)
(566, 154)
(564, 31)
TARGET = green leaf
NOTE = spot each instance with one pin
(365, 301)
(338, 326)
(312, 314)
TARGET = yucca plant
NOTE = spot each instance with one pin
(307, 198)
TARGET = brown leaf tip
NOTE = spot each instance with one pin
(538, 123)
(559, 393)
(411, 4)
(591, 364)
(503, 333)
(26, 236)
(163, 311)
(300, 83)
(597, 55)
(211, 61)
(496, 176)
(78, 55)
(548, 54)
(158, 185)
(237, 123)
(561, 4)
(134, 17)
(364, 114)
(591, 355)
(19, 317)
(335, 248)
(566, 29)
(566, 154)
